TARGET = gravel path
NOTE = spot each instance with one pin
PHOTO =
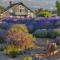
(20, 57)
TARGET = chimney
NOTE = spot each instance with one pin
(10, 3)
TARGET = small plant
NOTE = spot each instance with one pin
(11, 51)
(13, 54)
(1, 40)
(27, 58)
(57, 24)
(58, 42)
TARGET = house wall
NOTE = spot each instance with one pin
(31, 14)
(6, 13)
(19, 10)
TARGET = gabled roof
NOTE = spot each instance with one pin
(20, 3)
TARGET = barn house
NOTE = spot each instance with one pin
(19, 10)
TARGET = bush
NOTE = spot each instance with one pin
(2, 35)
(13, 54)
(1, 40)
(58, 43)
(40, 33)
(43, 33)
(57, 24)
(5, 25)
(18, 36)
(57, 31)
(48, 25)
(28, 58)
(31, 28)
(52, 34)
(11, 51)
(45, 13)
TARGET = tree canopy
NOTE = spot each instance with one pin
(43, 13)
(1, 9)
(58, 7)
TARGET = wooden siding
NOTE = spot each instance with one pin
(19, 10)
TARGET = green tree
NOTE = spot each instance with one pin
(58, 7)
(1, 9)
(43, 13)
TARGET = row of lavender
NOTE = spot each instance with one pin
(40, 28)
(32, 23)
(40, 24)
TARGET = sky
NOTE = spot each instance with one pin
(46, 4)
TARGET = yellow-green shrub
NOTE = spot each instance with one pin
(19, 33)
(28, 58)
(44, 13)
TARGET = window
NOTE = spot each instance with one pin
(21, 10)
(21, 7)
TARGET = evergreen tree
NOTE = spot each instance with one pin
(58, 7)
(1, 10)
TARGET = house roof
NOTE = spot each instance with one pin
(20, 3)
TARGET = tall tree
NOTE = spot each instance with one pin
(1, 10)
(58, 7)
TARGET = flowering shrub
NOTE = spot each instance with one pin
(40, 33)
(44, 33)
(18, 36)
(48, 25)
(5, 25)
(32, 23)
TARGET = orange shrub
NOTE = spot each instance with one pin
(18, 35)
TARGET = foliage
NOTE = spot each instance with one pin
(1, 40)
(19, 36)
(57, 24)
(58, 7)
(44, 13)
(27, 58)
(5, 25)
(58, 43)
(1, 9)
(57, 31)
(43, 33)
(47, 14)
(11, 50)
(33, 24)
(2, 36)
(19, 28)
(40, 14)
(52, 34)
(31, 28)
(47, 25)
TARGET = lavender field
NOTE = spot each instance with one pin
(23, 38)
